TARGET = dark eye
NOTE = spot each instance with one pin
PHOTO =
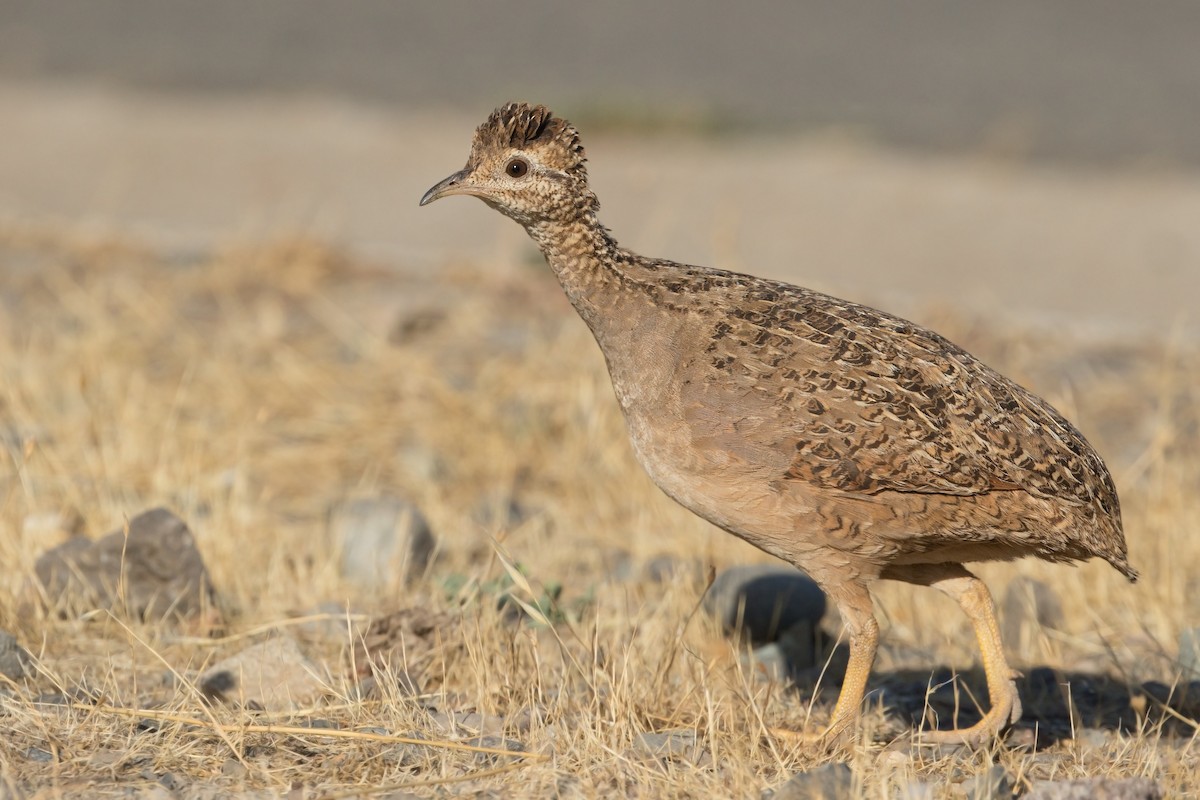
(517, 167)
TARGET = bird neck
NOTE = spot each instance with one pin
(588, 262)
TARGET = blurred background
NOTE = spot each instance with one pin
(1034, 161)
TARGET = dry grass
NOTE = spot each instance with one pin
(252, 389)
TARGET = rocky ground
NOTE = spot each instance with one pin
(283, 521)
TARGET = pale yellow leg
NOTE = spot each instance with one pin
(976, 601)
(857, 615)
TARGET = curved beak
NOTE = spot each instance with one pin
(455, 184)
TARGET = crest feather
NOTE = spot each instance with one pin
(520, 125)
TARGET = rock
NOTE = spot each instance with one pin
(38, 755)
(994, 784)
(383, 541)
(1189, 653)
(1096, 789)
(915, 790)
(830, 782)
(771, 662)
(664, 569)
(1092, 737)
(668, 744)
(494, 743)
(482, 724)
(1029, 605)
(15, 661)
(152, 570)
(320, 724)
(499, 510)
(271, 676)
(763, 600)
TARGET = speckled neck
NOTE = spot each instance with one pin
(588, 263)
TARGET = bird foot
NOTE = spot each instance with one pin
(824, 741)
(992, 727)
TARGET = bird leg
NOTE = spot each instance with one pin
(975, 600)
(854, 604)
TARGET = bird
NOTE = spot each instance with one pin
(846, 441)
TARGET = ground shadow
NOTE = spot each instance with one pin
(1056, 704)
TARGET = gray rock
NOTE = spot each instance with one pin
(830, 782)
(681, 743)
(994, 784)
(1096, 789)
(1189, 653)
(495, 743)
(500, 510)
(762, 601)
(38, 755)
(1029, 605)
(15, 661)
(383, 541)
(915, 790)
(663, 569)
(152, 570)
(272, 676)
(771, 662)
(1092, 737)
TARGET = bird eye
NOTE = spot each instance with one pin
(517, 168)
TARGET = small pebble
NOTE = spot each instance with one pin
(15, 661)
(1092, 737)
(1096, 789)
(320, 724)
(915, 790)
(830, 782)
(39, 755)
(994, 784)
(384, 541)
(667, 744)
(495, 743)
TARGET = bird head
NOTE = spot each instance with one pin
(525, 163)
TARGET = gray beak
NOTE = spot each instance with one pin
(452, 185)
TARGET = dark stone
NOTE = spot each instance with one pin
(763, 601)
(830, 782)
(150, 571)
(15, 661)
